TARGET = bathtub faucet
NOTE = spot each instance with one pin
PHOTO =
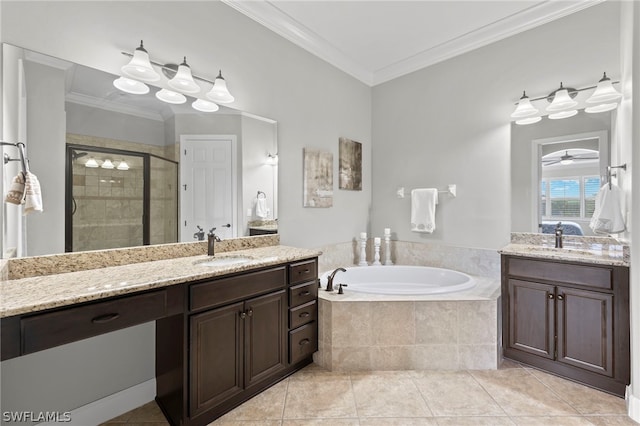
(330, 278)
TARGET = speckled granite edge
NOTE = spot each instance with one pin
(72, 262)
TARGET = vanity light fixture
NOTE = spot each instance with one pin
(529, 120)
(204, 106)
(562, 99)
(131, 86)
(183, 80)
(123, 165)
(524, 108)
(107, 164)
(563, 114)
(171, 97)
(91, 163)
(219, 92)
(605, 92)
(139, 67)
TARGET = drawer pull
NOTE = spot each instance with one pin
(304, 293)
(304, 314)
(304, 342)
(306, 271)
(105, 318)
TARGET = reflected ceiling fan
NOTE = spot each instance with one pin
(567, 158)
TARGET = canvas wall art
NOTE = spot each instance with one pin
(350, 158)
(318, 178)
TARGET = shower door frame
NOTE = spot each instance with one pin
(146, 191)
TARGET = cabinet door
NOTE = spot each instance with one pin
(216, 345)
(585, 329)
(531, 318)
(265, 338)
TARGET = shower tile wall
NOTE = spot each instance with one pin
(164, 202)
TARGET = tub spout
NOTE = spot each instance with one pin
(330, 278)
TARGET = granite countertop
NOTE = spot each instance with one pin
(595, 250)
(25, 295)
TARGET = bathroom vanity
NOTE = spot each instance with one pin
(223, 333)
(567, 312)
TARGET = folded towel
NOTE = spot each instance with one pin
(33, 195)
(262, 210)
(607, 217)
(15, 195)
(423, 209)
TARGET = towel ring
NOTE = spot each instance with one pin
(261, 195)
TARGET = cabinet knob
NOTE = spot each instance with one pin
(243, 315)
(550, 296)
(250, 312)
(560, 297)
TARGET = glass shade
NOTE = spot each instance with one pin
(561, 101)
(91, 163)
(205, 106)
(529, 120)
(123, 165)
(524, 108)
(131, 86)
(605, 92)
(107, 164)
(601, 108)
(183, 80)
(171, 97)
(563, 114)
(140, 67)
(219, 92)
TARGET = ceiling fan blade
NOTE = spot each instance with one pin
(551, 162)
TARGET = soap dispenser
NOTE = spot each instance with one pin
(211, 249)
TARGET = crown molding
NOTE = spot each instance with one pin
(270, 16)
(267, 14)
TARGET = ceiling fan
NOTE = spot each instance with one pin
(567, 158)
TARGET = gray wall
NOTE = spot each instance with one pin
(313, 103)
(449, 123)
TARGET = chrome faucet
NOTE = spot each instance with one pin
(330, 278)
(199, 235)
(559, 235)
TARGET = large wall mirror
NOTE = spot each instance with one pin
(557, 169)
(121, 170)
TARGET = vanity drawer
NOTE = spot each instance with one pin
(303, 293)
(225, 290)
(303, 314)
(303, 271)
(43, 331)
(585, 275)
(303, 342)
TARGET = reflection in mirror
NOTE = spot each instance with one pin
(557, 167)
(68, 114)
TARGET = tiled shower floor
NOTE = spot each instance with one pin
(512, 395)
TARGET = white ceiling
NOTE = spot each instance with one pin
(378, 40)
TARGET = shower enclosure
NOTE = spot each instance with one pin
(117, 198)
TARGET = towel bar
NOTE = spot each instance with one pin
(451, 190)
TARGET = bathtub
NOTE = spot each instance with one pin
(401, 280)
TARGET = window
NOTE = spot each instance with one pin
(572, 197)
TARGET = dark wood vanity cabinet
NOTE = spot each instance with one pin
(239, 335)
(568, 318)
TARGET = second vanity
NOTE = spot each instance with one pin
(225, 331)
(566, 311)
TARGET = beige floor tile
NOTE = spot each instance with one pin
(551, 421)
(474, 421)
(268, 405)
(504, 364)
(320, 396)
(327, 422)
(584, 399)
(384, 395)
(456, 393)
(399, 421)
(519, 393)
(221, 422)
(611, 420)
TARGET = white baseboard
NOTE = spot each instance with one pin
(111, 406)
(633, 405)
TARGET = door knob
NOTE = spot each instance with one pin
(228, 225)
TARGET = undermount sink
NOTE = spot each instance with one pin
(225, 261)
(565, 250)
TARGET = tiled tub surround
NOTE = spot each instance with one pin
(20, 296)
(454, 331)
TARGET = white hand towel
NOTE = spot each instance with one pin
(15, 195)
(423, 209)
(262, 210)
(33, 194)
(607, 217)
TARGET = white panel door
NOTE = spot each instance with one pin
(208, 185)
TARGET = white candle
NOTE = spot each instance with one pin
(363, 235)
(376, 240)
(387, 231)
